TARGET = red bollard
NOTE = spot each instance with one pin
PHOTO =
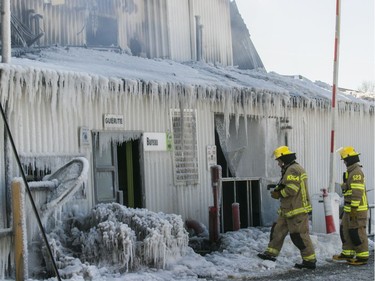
(216, 184)
(330, 224)
(213, 224)
(236, 216)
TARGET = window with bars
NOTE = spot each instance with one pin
(184, 126)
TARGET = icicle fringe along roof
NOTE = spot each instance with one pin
(103, 73)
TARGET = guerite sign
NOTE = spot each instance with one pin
(112, 121)
(154, 142)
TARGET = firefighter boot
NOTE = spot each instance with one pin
(267, 256)
(342, 257)
(306, 264)
(357, 261)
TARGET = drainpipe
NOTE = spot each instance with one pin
(5, 58)
(198, 32)
(5, 31)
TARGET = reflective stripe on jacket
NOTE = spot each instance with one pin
(295, 197)
(354, 189)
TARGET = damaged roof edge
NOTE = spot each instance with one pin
(107, 71)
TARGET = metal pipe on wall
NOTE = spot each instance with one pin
(5, 31)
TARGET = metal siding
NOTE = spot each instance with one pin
(139, 114)
(164, 28)
(3, 195)
(192, 201)
(358, 130)
(179, 22)
(146, 108)
(159, 190)
(189, 201)
(217, 36)
(156, 29)
(311, 136)
(131, 23)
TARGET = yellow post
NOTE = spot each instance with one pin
(18, 205)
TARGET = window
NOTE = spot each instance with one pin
(184, 126)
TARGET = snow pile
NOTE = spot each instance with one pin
(235, 260)
(116, 238)
(366, 96)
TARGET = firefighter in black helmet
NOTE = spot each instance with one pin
(294, 210)
(354, 219)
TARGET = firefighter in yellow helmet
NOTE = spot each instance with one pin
(354, 218)
(292, 190)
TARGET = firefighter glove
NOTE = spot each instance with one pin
(353, 214)
(279, 187)
(275, 194)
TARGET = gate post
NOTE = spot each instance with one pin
(214, 226)
(19, 230)
(236, 216)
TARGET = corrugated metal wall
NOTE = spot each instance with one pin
(62, 24)
(215, 18)
(310, 137)
(181, 21)
(51, 132)
(162, 28)
(69, 101)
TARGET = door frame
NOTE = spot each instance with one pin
(115, 140)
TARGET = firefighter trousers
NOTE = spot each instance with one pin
(354, 236)
(298, 227)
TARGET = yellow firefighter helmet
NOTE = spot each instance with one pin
(282, 150)
(347, 151)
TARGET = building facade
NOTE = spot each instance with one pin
(152, 128)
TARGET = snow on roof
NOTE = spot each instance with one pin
(111, 64)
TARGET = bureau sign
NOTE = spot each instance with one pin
(154, 142)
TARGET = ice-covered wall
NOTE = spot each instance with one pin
(68, 100)
(162, 29)
(49, 98)
(310, 136)
(48, 106)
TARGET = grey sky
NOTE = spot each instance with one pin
(297, 37)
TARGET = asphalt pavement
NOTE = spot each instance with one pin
(332, 271)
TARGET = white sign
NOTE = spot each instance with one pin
(111, 121)
(84, 136)
(211, 156)
(154, 142)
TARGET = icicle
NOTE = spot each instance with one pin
(5, 249)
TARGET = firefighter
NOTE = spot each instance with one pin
(293, 214)
(354, 218)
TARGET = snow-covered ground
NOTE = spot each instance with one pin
(236, 258)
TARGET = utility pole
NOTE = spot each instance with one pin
(327, 197)
(5, 31)
(334, 93)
